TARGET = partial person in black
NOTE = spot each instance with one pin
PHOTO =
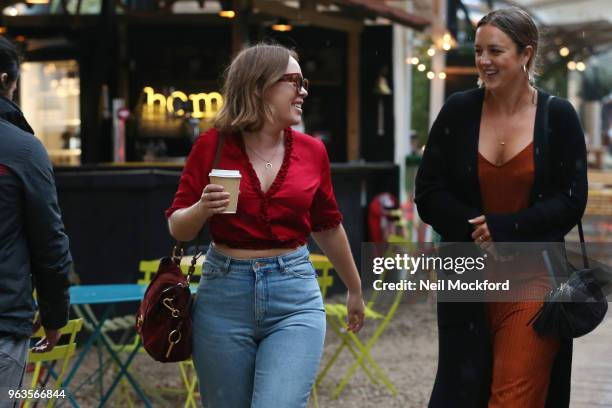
(34, 251)
(9, 75)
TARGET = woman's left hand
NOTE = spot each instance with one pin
(481, 235)
(356, 311)
(481, 232)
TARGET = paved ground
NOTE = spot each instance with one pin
(592, 368)
(407, 352)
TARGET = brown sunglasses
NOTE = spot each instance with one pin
(298, 80)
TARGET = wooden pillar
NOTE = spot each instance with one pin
(98, 81)
(353, 151)
(240, 25)
(438, 62)
(402, 104)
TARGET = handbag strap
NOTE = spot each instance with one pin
(547, 155)
(179, 244)
(585, 259)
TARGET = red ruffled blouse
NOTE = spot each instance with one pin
(300, 200)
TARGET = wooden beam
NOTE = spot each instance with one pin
(157, 18)
(50, 21)
(379, 8)
(353, 141)
(277, 9)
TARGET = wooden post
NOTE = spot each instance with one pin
(353, 85)
(438, 62)
(240, 25)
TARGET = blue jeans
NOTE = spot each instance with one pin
(258, 331)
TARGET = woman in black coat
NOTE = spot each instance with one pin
(496, 122)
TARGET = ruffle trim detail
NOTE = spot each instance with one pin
(276, 184)
(333, 223)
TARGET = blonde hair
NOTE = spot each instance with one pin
(248, 77)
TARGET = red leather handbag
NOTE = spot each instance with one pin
(163, 320)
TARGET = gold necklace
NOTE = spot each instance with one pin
(533, 102)
(268, 162)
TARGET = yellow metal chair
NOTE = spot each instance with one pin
(60, 353)
(337, 314)
(322, 264)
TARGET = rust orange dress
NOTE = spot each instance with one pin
(522, 361)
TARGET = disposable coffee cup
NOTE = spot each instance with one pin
(230, 180)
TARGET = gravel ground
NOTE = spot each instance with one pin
(406, 352)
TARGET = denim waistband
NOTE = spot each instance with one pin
(223, 261)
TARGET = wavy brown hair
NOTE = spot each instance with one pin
(248, 77)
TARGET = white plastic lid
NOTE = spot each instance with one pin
(224, 173)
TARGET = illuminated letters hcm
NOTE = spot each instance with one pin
(212, 102)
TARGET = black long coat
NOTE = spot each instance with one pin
(448, 194)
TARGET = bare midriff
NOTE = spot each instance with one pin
(240, 253)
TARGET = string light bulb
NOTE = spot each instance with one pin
(282, 25)
(227, 13)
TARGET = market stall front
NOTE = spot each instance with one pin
(119, 91)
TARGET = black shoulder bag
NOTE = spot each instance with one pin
(577, 306)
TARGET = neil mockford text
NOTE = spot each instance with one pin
(412, 264)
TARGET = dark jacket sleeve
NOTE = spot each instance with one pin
(551, 217)
(436, 204)
(49, 248)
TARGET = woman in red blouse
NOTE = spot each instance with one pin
(259, 320)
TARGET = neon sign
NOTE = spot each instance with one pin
(205, 105)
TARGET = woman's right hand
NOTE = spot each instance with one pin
(214, 200)
(356, 311)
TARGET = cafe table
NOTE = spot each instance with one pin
(108, 295)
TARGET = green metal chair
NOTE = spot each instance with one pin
(322, 264)
(360, 350)
(60, 353)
